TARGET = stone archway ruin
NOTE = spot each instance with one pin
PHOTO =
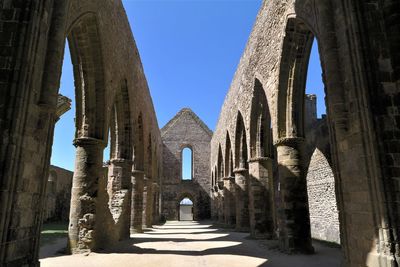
(359, 51)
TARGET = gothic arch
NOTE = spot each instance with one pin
(260, 124)
(121, 125)
(240, 143)
(87, 60)
(220, 164)
(139, 144)
(228, 156)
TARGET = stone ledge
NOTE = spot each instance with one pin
(82, 141)
(240, 170)
(258, 159)
(289, 141)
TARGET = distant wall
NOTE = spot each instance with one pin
(322, 202)
(58, 194)
(186, 130)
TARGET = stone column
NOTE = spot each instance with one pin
(137, 201)
(221, 199)
(242, 199)
(120, 193)
(214, 191)
(261, 198)
(156, 203)
(148, 206)
(229, 201)
(294, 217)
(88, 169)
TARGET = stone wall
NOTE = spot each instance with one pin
(107, 70)
(58, 194)
(358, 55)
(186, 130)
(324, 217)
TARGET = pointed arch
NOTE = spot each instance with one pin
(260, 124)
(121, 125)
(149, 154)
(87, 60)
(228, 156)
(296, 51)
(220, 164)
(139, 144)
(241, 155)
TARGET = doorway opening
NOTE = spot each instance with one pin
(186, 210)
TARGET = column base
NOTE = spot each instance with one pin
(134, 231)
(242, 229)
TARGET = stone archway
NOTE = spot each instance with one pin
(189, 209)
(241, 172)
(261, 182)
(186, 210)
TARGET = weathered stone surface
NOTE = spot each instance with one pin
(361, 120)
(186, 130)
(58, 194)
(359, 51)
(322, 199)
(109, 79)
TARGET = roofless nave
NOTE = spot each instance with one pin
(252, 176)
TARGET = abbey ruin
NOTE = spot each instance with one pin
(271, 170)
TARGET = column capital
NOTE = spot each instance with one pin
(239, 170)
(89, 141)
(220, 185)
(215, 187)
(289, 141)
(259, 159)
(121, 161)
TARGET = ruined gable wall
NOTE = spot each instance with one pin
(186, 131)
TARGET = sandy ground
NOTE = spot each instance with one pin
(193, 244)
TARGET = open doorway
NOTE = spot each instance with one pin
(186, 210)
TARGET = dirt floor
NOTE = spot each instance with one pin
(193, 244)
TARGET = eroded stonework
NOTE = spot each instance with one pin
(186, 130)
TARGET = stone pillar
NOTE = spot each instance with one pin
(88, 169)
(148, 203)
(214, 203)
(261, 191)
(120, 193)
(156, 203)
(294, 217)
(137, 201)
(229, 201)
(242, 199)
(221, 199)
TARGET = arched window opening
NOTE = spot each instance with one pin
(107, 151)
(260, 128)
(220, 165)
(320, 178)
(241, 157)
(63, 154)
(186, 210)
(187, 164)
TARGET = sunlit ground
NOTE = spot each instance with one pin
(193, 244)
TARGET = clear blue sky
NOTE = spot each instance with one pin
(190, 51)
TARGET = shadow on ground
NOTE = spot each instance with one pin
(197, 244)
